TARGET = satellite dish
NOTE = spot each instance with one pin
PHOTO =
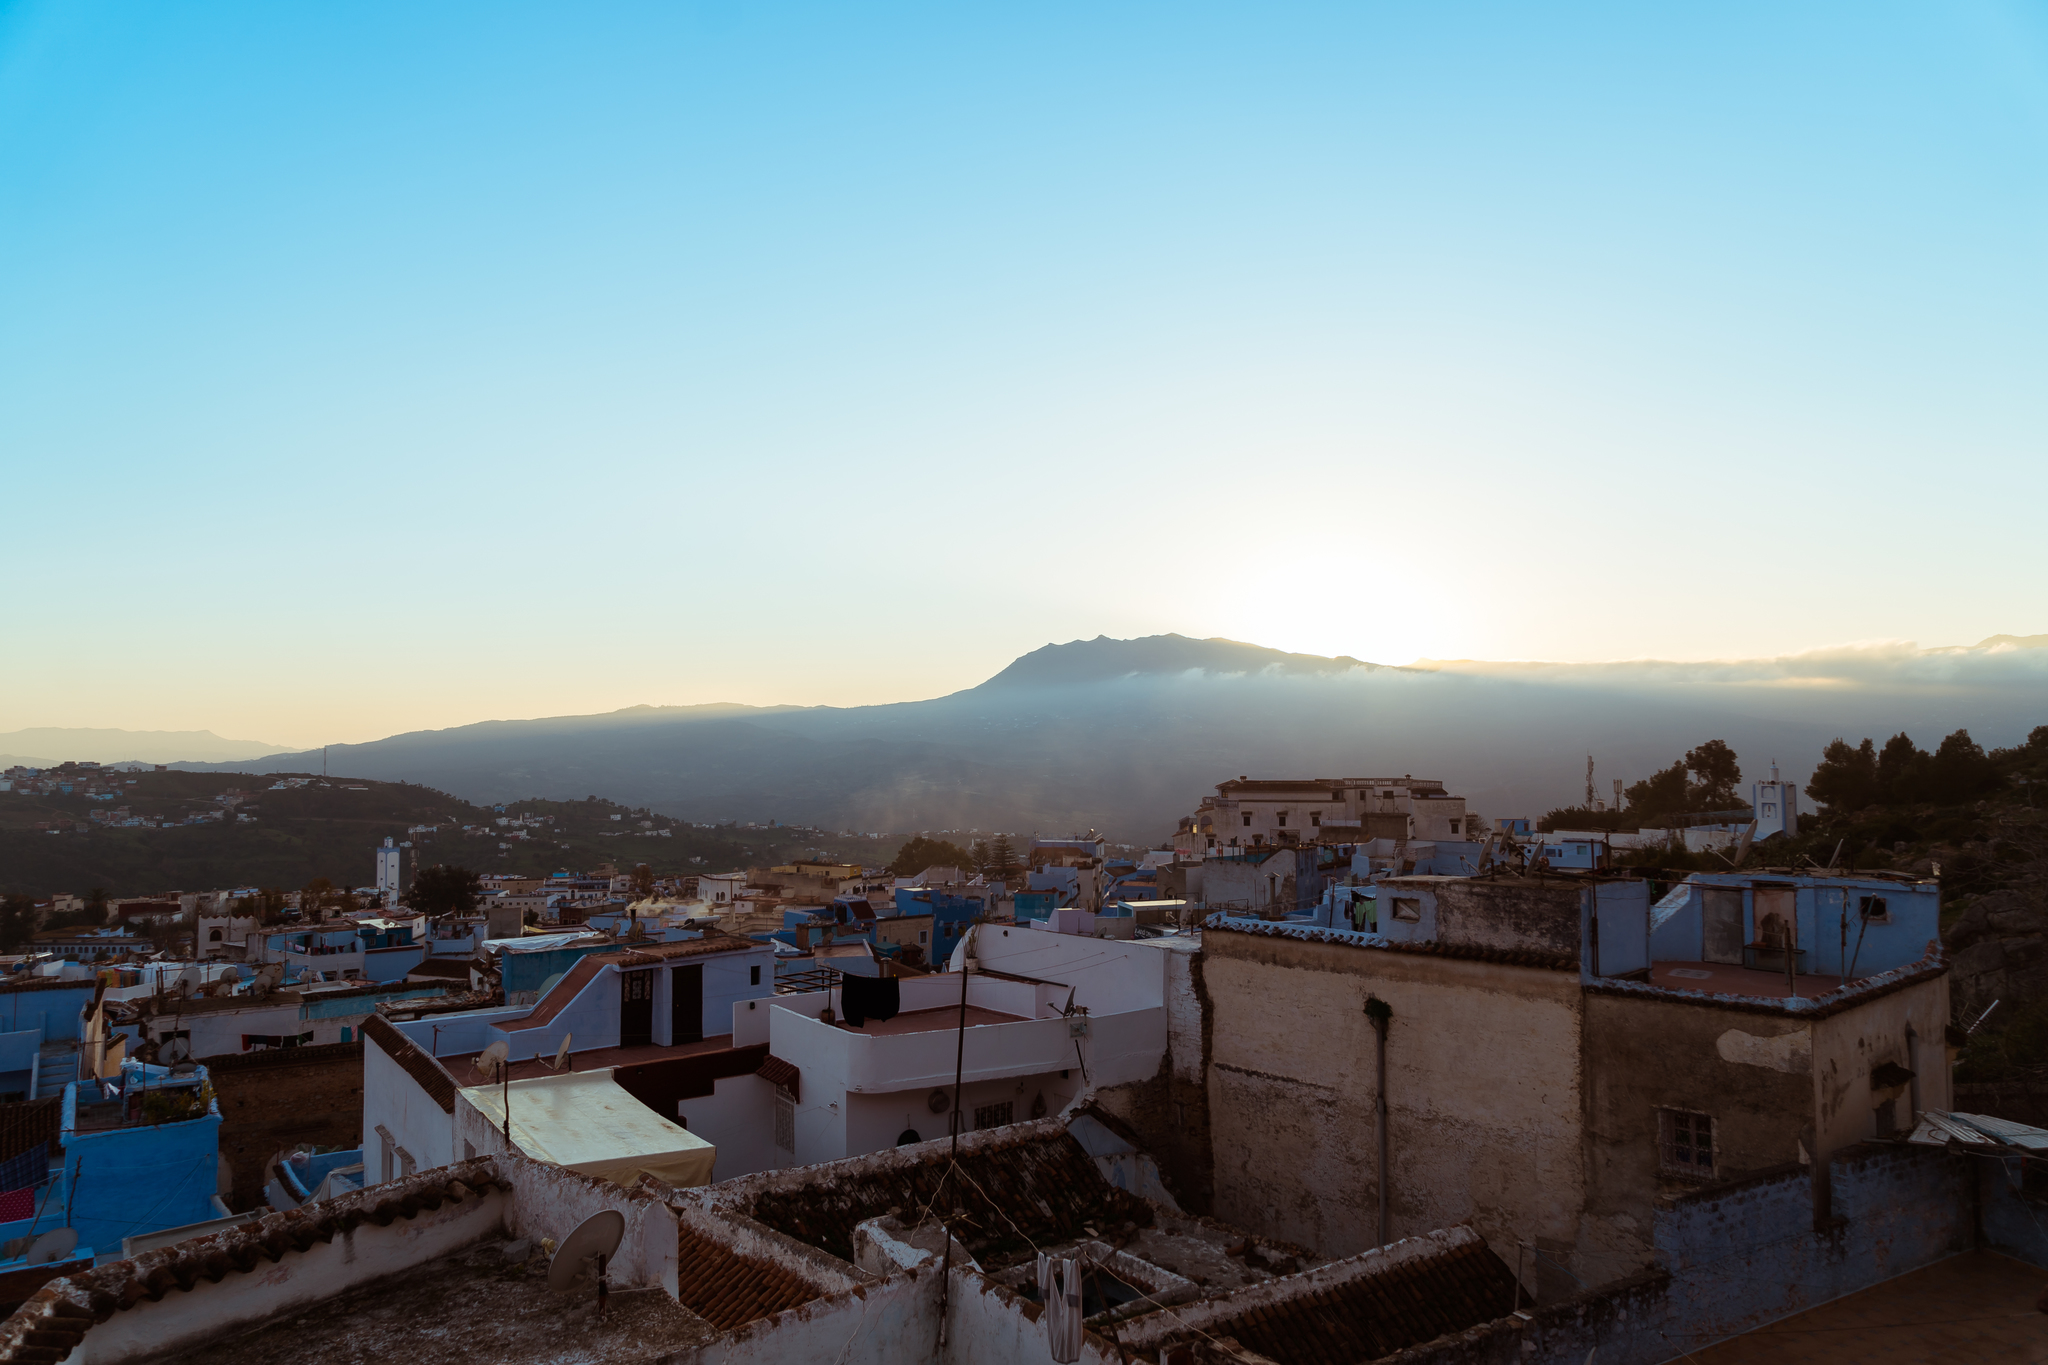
(58, 1243)
(597, 1235)
(492, 1058)
(174, 1050)
(548, 985)
(229, 976)
(562, 1053)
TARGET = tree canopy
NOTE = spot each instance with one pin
(919, 853)
(1903, 774)
(444, 889)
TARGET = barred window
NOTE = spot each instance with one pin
(785, 1121)
(993, 1115)
(1686, 1141)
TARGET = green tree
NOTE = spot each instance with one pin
(1846, 779)
(977, 855)
(643, 882)
(919, 853)
(1960, 771)
(1901, 771)
(444, 890)
(17, 921)
(1714, 766)
(1002, 859)
(315, 897)
(1660, 794)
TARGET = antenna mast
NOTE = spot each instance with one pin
(1589, 781)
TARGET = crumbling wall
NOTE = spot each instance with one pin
(1514, 913)
(551, 1201)
(282, 1097)
(1169, 1111)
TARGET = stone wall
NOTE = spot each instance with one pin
(284, 1097)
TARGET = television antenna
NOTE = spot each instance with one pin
(53, 1245)
(585, 1249)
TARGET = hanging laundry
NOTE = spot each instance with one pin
(862, 998)
(1059, 1289)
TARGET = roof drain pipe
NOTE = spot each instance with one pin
(1381, 1013)
(964, 955)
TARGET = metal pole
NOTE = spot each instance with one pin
(959, 1062)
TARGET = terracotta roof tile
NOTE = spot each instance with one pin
(727, 1289)
(775, 1071)
(284, 1056)
(413, 1059)
(55, 1319)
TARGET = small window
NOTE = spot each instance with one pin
(1872, 909)
(1283, 819)
(923, 935)
(1315, 817)
(1407, 909)
(1247, 819)
(1454, 826)
(993, 1115)
(754, 976)
(1685, 1142)
(785, 1121)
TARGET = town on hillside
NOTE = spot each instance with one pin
(1337, 1069)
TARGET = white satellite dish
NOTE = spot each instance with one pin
(597, 1235)
(174, 1050)
(562, 1053)
(492, 1058)
(58, 1243)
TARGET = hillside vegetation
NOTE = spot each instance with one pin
(329, 827)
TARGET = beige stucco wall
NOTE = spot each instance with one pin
(1847, 1045)
(1483, 1086)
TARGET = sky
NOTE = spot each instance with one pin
(378, 367)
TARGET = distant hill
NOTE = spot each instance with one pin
(328, 828)
(1126, 735)
(51, 745)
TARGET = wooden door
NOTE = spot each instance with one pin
(686, 1003)
(1722, 920)
(636, 1009)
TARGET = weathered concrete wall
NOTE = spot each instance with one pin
(280, 1097)
(551, 1201)
(1170, 1111)
(1752, 1073)
(1483, 1085)
(1847, 1045)
(1511, 913)
(394, 1103)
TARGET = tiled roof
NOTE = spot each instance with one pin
(53, 1322)
(1415, 1300)
(775, 1071)
(413, 1060)
(727, 1289)
(1026, 1184)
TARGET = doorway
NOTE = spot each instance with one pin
(686, 1003)
(636, 1009)
(1722, 920)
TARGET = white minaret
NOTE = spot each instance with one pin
(1775, 805)
(388, 883)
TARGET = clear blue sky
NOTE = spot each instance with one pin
(369, 367)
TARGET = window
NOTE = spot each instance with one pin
(753, 976)
(1315, 817)
(1872, 909)
(993, 1115)
(1454, 826)
(785, 1121)
(1283, 819)
(1247, 819)
(922, 935)
(1685, 1142)
(1407, 909)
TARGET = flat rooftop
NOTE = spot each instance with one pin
(944, 1019)
(475, 1307)
(1718, 978)
(1974, 1307)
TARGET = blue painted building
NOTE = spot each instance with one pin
(1839, 926)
